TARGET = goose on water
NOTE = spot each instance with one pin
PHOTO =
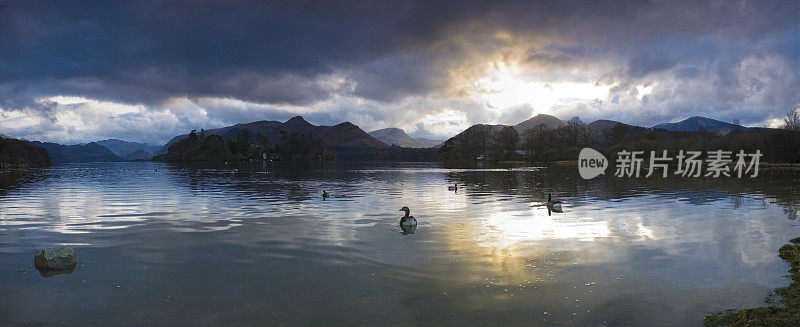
(407, 220)
(325, 195)
(553, 204)
(453, 188)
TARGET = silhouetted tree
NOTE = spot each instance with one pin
(505, 143)
(737, 126)
(792, 120)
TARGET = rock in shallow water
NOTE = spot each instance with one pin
(47, 273)
(55, 258)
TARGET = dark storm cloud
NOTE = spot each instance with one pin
(302, 53)
(148, 50)
(154, 49)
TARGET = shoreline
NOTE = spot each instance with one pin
(783, 304)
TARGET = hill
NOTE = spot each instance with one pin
(124, 148)
(476, 140)
(696, 123)
(22, 153)
(347, 136)
(91, 152)
(550, 122)
(396, 136)
(344, 136)
(602, 125)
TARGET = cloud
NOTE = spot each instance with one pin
(201, 64)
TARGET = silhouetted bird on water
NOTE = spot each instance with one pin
(554, 206)
(408, 223)
(407, 220)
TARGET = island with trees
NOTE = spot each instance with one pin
(212, 147)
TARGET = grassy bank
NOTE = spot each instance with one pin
(783, 305)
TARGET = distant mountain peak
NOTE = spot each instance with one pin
(548, 120)
(602, 125)
(390, 129)
(297, 122)
(397, 136)
(696, 123)
(297, 119)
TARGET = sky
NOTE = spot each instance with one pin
(81, 71)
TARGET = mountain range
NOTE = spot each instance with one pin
(96, 151)
(690, 124)
(91, 152)
(340, 137)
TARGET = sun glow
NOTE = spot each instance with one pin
(505, 87)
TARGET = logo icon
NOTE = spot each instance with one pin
(591, 163)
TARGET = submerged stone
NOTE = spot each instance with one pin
(55, 259)
(47, 273)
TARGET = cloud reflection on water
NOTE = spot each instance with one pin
(490, 241)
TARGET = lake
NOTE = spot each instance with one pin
(256, 244)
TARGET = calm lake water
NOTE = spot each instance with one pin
(257, 245)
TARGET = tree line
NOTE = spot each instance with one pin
(16, 153)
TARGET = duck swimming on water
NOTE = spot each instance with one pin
(453, 188)
(325, 195)
(407, 220)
